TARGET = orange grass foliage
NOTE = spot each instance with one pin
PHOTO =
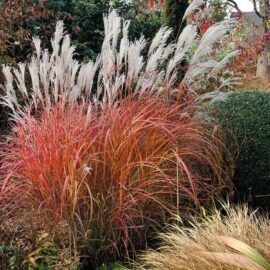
(115, 176)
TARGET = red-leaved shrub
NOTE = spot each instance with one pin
(114, 176)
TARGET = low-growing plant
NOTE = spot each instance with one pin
(222, 240)
(27, 245)
(112, 266)
(7, 257)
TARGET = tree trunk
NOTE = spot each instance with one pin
(173, 14)
(262, 65)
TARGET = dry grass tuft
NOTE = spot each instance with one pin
(212, 243)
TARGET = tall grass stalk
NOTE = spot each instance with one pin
(120, 69)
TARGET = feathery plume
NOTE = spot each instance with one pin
(120, 69)
(194, 5)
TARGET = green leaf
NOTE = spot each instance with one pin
(245, 249)
(232, 259)
(41, 267)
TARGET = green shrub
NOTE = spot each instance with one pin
(147, 23)
(83, 22)
(246, 117)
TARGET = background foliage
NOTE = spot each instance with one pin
(247, 117)
(84, 20)
(20, 20)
